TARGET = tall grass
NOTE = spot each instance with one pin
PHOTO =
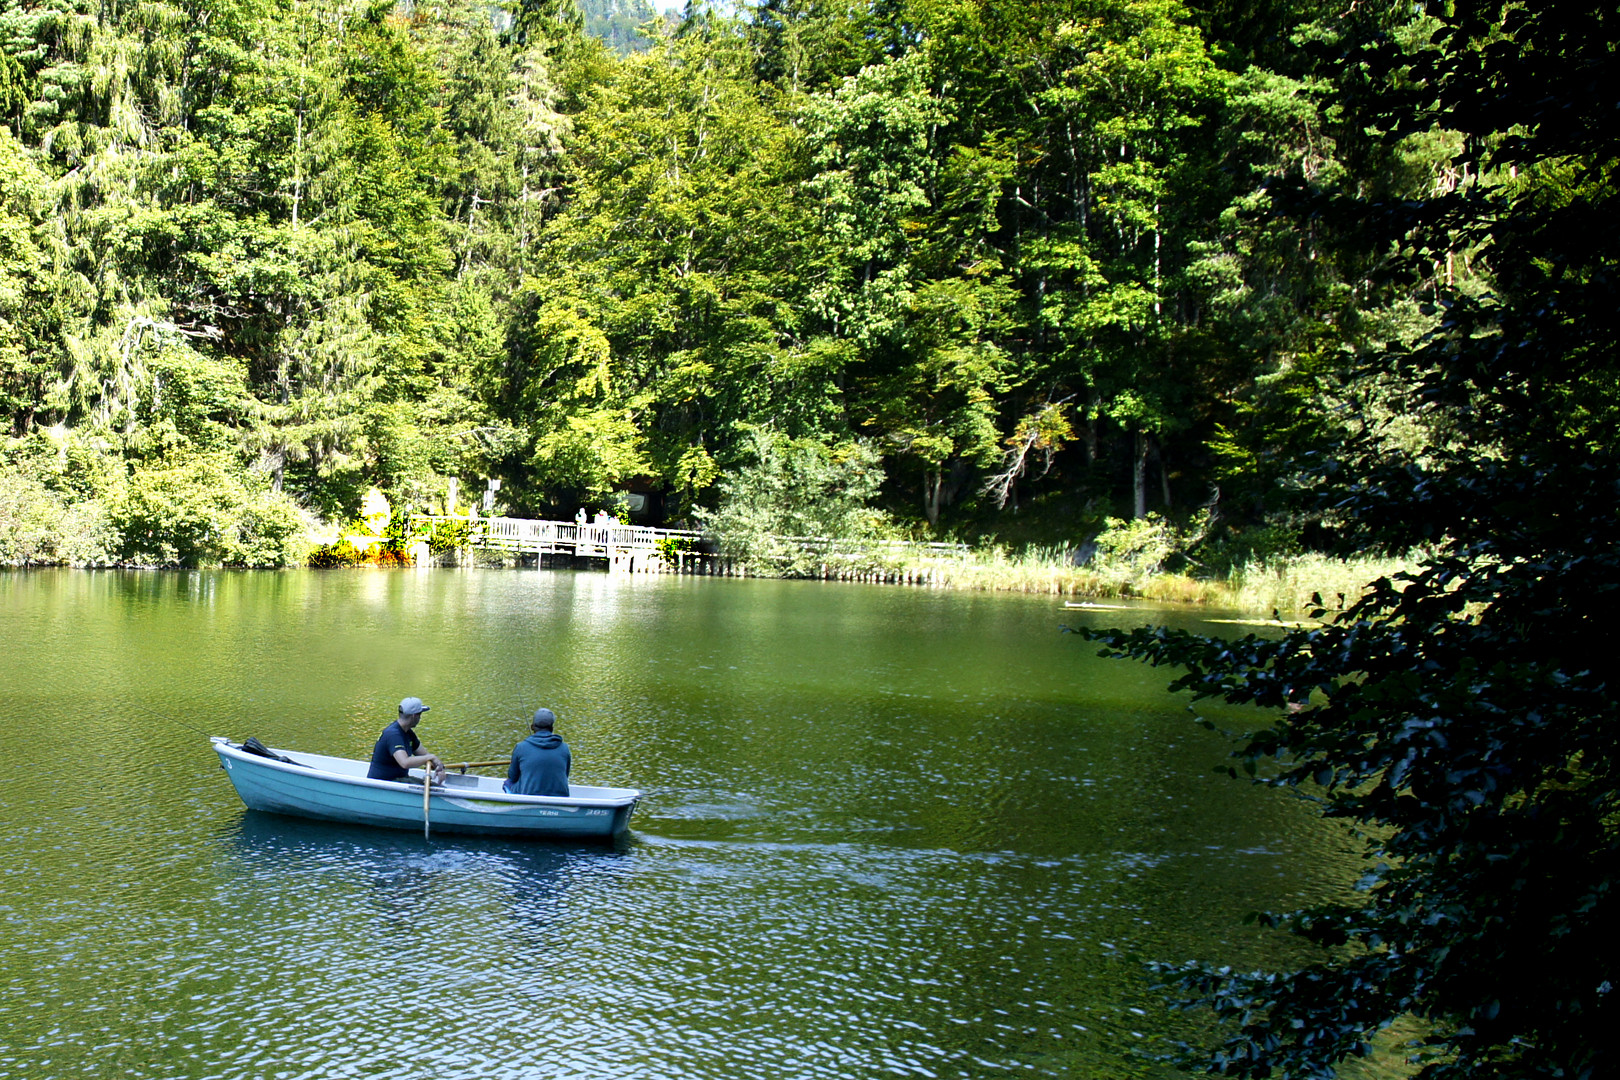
(1287, 584)
(1281, 584)
(1052, 570)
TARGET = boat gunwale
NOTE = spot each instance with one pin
(224, 745)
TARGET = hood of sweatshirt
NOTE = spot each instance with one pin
(545, 740)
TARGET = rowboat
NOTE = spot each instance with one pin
(337, 789)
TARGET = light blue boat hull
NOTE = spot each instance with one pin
(336, 789)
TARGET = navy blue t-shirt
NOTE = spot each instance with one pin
(383, 765)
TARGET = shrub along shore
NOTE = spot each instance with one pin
(1288, 584)
(1148, 559)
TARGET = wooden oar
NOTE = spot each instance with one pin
(463, 766)
(427, 788)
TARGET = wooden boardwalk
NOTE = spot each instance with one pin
(630, 547)
(637, 549)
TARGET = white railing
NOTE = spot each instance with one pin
(531, 534)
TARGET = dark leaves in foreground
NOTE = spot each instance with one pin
(1463, 719)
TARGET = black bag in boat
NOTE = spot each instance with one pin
(253, 746)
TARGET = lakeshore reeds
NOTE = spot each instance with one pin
(1281, 584)
(1288, 584)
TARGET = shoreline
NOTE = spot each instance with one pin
(1286, 586)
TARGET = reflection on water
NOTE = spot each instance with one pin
(885, 832)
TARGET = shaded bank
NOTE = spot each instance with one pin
(1282, 585)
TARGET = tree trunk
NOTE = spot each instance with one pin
(1093, 408)
(1139, 476)
(933, 481)
(1164, 475)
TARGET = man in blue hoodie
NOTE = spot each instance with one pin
(540, 763)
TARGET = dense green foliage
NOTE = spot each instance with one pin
(1464, 717)
(1023, 253)
(780, 511)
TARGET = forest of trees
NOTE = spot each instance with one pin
(1025, 260)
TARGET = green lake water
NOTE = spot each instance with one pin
(886, 832)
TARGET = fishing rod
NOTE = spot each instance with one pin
(151, 714)
(178, 723)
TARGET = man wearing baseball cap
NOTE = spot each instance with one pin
(398, 749)
(541, 762)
